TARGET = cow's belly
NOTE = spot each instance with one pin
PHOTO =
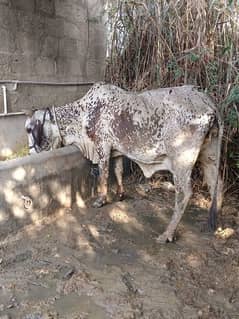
(149, 159)
(150, 169)
(145, 153)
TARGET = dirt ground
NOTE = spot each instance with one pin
(105, 263)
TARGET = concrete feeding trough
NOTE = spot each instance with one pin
(38, 185)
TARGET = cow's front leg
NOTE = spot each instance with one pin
(103, 178)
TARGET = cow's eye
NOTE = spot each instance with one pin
(28, 129)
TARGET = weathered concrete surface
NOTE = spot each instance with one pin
(38, 185)
(50, 40)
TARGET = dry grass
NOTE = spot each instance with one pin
(24, 151)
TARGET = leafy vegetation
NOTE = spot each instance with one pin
(20, 153)
(166, 43)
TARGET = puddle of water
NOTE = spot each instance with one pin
(75, 304)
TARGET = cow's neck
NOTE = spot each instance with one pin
(67, 114)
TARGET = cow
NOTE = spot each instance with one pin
(159, 129)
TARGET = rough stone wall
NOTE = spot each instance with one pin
(50, 40)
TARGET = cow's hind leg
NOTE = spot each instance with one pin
(118, 169)
(207, 160)
(183, 192)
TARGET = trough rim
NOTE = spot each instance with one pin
(40, 157)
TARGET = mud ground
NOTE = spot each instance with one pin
(87, 263)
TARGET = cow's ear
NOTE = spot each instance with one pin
(28, 113)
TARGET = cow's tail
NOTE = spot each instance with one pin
(215, 206)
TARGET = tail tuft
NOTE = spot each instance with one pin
(212, 219)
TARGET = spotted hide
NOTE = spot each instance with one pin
(161, 129)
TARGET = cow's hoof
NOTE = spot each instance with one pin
(164, 238)
(99, 202)
(120, 196)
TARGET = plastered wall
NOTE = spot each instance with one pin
(50, 40)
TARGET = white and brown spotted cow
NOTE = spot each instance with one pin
(161, 129)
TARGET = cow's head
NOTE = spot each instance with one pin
(42, 131)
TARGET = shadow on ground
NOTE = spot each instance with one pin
(87, 263)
